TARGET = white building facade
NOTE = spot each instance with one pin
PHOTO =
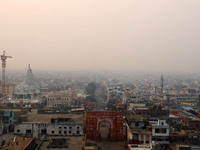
(39, 129)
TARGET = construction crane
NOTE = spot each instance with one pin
(3, 80)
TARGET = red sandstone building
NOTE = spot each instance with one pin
(97, 119)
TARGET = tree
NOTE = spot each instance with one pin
(52, 88)
(91, 88)
(58, 88)
(111, 105)
(40, 106)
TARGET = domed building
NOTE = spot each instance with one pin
(29, 88)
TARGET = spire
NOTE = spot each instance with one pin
(29, 76)
(29, 67)
(161, 84)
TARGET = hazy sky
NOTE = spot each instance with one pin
(140, 35)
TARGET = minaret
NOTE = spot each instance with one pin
(161, 84)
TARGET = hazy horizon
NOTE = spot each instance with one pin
(132, 35)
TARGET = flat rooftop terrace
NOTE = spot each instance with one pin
(74, 143)
(46, 118)
(19, 143)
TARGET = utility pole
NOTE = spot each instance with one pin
(3, 80)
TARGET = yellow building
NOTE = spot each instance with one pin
(9, 89)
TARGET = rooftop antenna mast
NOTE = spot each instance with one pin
(3, 81)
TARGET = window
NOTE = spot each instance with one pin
(147, 137)
(65, 132)
(164, 131)
(137, 124)
(43, 131)
(60, 127)
(70, 127)
(77, 127)
(160, 131)
(156, 130)
(28, 131)
(65, 127)
(52, 132)
(18, 131)
(77, 132)
(142, 137)
(60, 132)
(70, 132)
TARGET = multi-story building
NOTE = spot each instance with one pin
(138, 130)
(57, 99)
(9, 89)
(156, 111)
(189, 96)
(58, 126)
(160, 133)
(6, 121)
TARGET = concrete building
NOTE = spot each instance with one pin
(187, 96)
(160, 133)
(57, 99)
(8, 117)
(9, 89)
(156, 111)
(138, 130)
(6, 121)
(66, 127)
(160, 129)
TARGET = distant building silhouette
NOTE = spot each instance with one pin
(29, 88)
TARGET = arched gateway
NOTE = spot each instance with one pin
(113, 120)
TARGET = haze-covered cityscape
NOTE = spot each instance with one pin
(100, 75)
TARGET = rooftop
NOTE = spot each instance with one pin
(59, 94)
(46, 118)
(74, 143)
(138, 147)
(135, 118)
(16, 143)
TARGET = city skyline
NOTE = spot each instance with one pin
(140, 35)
